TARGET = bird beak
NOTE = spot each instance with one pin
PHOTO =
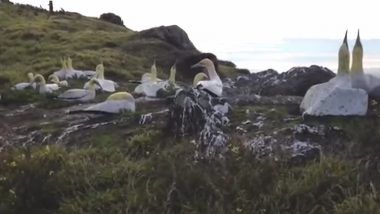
(197, 66)
(345, 39)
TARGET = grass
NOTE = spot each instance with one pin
(127, 168)
(160, 176)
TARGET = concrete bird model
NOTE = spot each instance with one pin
(43, 87)
(25, 85)
(213, 84)
(116, 103)
(80, 94)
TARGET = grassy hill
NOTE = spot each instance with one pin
(31, 40)
(54, 162)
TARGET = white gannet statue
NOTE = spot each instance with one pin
(43, 87)
(105, 85)
(67, 71)
(170, 83)
(80, 94)
(76, 73)
(150, 84)
(25, 85)
(54, 79)
(116, 103)
(336, 97)
(214, 84)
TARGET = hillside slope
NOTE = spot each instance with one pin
(31, 40)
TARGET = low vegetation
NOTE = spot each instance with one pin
(141, 169)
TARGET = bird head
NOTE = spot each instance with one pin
(53, 78)
(39, 79)
(344, 57)
(92, 84)
(30, 77)
(121, 96)
(357, 57)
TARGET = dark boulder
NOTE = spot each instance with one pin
(297, 80)
(112, 18)
(294, 82)
(173, 35)
(196, 113)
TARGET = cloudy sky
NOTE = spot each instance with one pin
(216, 25)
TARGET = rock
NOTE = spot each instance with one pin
(303, 151)
(195, 112)
(335, 98)
(112, 18)
(297, 81)
(173, 35)
(294, 82)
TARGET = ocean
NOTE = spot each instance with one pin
(285, 54)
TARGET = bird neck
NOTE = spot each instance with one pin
(92, 87)
(212, 73)
(54, 79)
(172, 76)
(41, 79)
(343, 60)
(357, 65)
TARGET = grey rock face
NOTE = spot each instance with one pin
(171, 34)
(112, 18)
(294, 82)
(194, 112)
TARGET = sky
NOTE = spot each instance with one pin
(222, 26)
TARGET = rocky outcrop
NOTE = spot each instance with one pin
(112, 18)
(298, 80)
(196, 113)
(294, 82)
(173, 35)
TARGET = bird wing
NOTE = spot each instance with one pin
(112, 106)
(73, 94)
(107, 85)
(22, 85)
(211, 87)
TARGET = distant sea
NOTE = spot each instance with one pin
(287, 53)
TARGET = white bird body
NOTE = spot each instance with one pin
(116, 103)
(43, 87)
(80, 94)
(48, 88)
(54, 79)
(25, 85)
(68, 72)
(89, 74)
(104, 84)
(214, 84)
(150, 84)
